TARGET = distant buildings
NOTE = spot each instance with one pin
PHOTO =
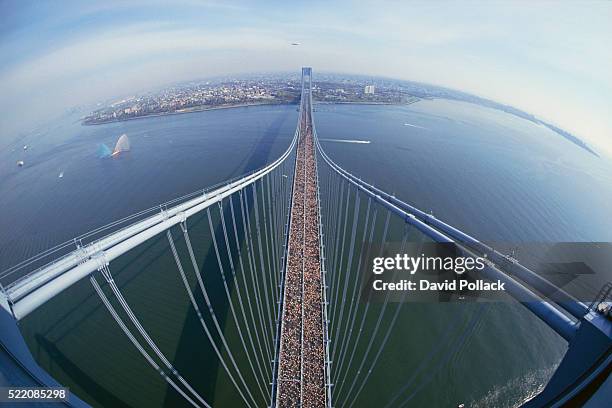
(194, 96)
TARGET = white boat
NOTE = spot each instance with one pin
(61, 175)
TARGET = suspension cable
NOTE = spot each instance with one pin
(109, 279)
(137, 344)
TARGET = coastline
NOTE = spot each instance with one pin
(241, 105)
(183, 112)
(366, 103)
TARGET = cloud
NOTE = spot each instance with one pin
(547, 59)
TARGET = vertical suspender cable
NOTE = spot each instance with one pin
(349, 264)
(350, 320)
(199, 313)
(144, 334)
(364, 314)
(227, 292)
(136, 344)
(266, 290)
(386, 336)
(244, 209)
(259, 349)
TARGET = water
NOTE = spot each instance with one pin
(73, 336)
(170, 156)
(501, 179)
(496, 176)
(491, 174)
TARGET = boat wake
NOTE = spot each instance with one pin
(346, 141)
(518, 390)
(415, 126)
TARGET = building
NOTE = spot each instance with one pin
(369, 90)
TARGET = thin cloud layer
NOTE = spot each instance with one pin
(549, 59)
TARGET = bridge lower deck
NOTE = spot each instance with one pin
(301, 376)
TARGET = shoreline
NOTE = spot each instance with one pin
(242, 105)
(182, 112)
(366, 103)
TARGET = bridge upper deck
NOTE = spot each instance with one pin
(301, 376)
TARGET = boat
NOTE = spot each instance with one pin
(20, 163)
(61, 175)
(123, 145)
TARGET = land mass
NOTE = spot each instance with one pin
(227, 93)
(223, 93)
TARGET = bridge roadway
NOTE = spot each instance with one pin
(301, 377)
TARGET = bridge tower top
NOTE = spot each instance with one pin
(306, 71)
(306, 78)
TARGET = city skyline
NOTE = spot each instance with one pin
(548, 59)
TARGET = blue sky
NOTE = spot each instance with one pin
(551, 59)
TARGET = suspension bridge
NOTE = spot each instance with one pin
(278, 295)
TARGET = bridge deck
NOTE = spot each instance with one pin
(301, 378)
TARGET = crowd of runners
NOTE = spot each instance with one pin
(301, 376)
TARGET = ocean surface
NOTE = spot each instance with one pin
(170, 156)
(494, 175)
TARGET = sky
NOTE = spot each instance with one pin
(551, 59)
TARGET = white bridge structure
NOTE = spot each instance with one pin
(247, 225)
